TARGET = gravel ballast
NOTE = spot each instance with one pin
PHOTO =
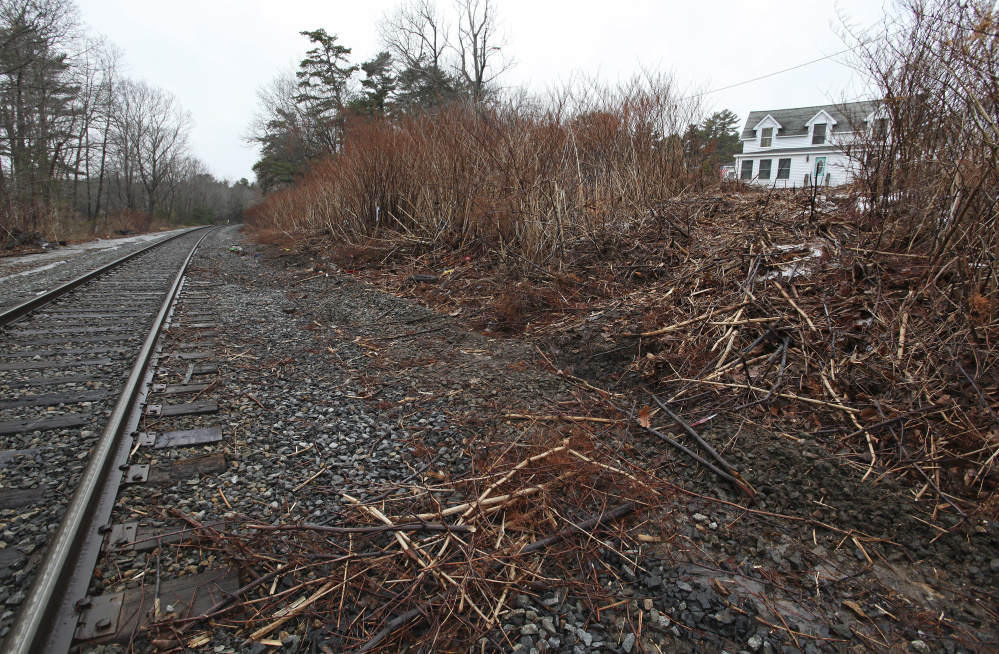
(23, 277)
(328, 389)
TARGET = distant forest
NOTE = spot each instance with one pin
(84, 148)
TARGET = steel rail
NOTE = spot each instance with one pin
(8, 316)
(47, 618)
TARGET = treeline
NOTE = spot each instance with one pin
(431, 60)
(83, 146)
(423, 142)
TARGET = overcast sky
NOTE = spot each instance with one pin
(214, 54)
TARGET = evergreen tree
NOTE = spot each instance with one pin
(323, 79)
(718, 135)
(379, 81)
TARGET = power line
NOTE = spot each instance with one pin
(807, 63)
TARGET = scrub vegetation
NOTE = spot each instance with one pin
(429, 148)
(518, 212)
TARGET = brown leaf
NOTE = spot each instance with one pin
(643, 416)
(853, 606)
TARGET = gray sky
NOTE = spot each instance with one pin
(214, 54)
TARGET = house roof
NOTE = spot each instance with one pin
(794, 121)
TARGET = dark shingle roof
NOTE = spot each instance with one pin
(793, 120)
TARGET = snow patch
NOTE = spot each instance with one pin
(33, 270)
(802, 266)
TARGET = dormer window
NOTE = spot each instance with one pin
(766, 137)
(818, 133)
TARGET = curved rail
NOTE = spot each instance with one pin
(47, 617)
(8, 316)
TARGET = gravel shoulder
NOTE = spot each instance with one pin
(25, 276)
(331, 390)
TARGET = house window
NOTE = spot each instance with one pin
(881, 128)
(747, 169)
(818, 134)
(765, 168)
(766, 137)
(783, 169)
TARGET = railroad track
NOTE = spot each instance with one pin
(78, 368)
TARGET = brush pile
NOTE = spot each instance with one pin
(430, 563)
(769, 306)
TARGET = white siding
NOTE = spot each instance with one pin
(838, 167)
(752, 146)
(779, 142)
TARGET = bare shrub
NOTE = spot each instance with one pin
(26, 216)
(931, 178)
(128, 221)
(530, 179)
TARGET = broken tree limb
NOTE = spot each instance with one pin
(801, 313)
(583, 527)
(693, 434)
(898, 418)
(732, 473)
(586, 526)
(537, 457)
(221, 605)
(700, 459)
(413, 526)
(550, 418)
(789, 396)
(499, 499)
(679, 325)
(630, 476)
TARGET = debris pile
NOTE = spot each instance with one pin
(434, 562)
(770, 414)
(771, 306)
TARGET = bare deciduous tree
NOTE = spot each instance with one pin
(480, 46)
(76, 138)
(416, 35)
(150, 132)
(36, 103)
(439, 60)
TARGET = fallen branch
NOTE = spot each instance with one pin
(700, 459)
(731, 473)
(413, 526)
(679, 325)
(290, 612)
(584, 527)
(898, 418)
(550, 418)
(789, 396)
(804, 315)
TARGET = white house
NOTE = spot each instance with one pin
(804, 146)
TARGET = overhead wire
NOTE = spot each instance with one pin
(785, 70)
